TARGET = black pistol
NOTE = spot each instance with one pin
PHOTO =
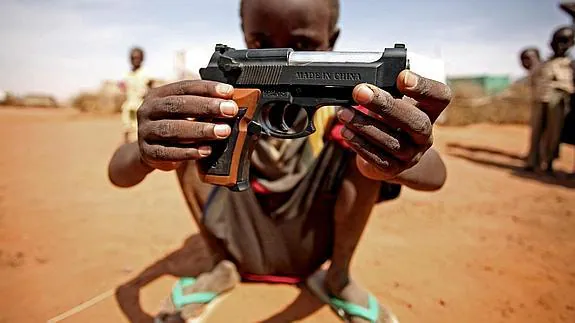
(278, 91)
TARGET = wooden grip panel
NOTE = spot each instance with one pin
(247, 100)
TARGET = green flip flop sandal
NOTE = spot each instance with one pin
(344, 308)
(179, 300)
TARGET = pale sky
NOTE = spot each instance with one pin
(63, 46)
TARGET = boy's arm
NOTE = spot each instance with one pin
(126, 167)
(427, 175)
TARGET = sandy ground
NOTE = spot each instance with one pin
(494, 245)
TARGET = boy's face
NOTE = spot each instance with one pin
(298, 24)
(136, 58)
(529, 59)
(562, 42)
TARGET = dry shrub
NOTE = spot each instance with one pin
(107, 100)
(11, 100)
(470, 105)
(85, 102)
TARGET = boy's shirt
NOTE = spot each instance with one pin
(136, 85)
(554, 75)
(322, 118)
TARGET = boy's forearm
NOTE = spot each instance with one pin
(126, 168)
(427, 175)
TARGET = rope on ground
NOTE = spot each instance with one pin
(81, 307)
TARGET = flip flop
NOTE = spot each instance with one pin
(179, 300)
(346, 309)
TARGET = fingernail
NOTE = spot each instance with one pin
(224, 89)
(345, 115)
(222, 130)
(205, 150)
(410, 80)
(229, 108)
(346, 133)
(363, 95)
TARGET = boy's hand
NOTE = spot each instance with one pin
(397, 132)
(167, 136)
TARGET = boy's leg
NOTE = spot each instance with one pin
(537, 127)
(125, 117)
(196, 194)
(219, 276)
(353, 207)
(355, 202)
(555, 118)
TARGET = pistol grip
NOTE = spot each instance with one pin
(229, 163)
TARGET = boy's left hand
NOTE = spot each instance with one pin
(397, 132)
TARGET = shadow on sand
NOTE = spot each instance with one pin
(189, 261)
(559, 178)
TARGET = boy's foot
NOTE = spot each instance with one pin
(352, 303)
(192, 299)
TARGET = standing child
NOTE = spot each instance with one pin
(530, 59)
(135, 84)
(554, 86)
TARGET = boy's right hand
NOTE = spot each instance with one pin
(167, 136)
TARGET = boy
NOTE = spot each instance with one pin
(553, 88)
(310, 199)
(530, 59)
(136, 84)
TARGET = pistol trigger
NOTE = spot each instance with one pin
(310, 128)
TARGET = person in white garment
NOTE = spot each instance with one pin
(136, 84)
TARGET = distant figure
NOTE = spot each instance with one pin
(530, 59)
(136, 84)
(553, 88)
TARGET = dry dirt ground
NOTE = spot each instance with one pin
(494, 245)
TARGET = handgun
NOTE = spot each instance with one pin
(278, 92)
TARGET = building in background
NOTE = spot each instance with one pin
(489, 84)
(180, 66)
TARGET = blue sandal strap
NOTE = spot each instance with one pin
(371, 313)
(180, 300)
